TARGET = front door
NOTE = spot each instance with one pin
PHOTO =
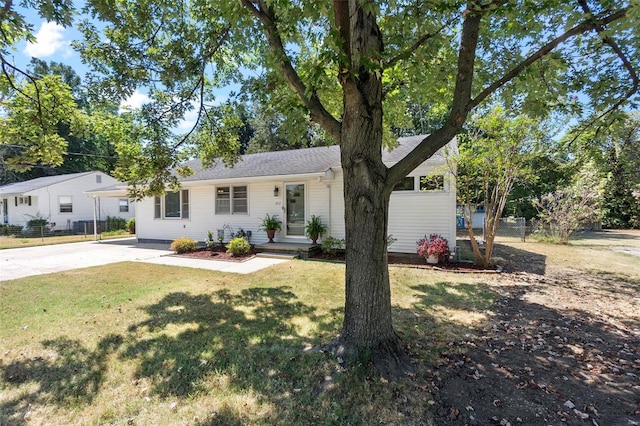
(295, 213)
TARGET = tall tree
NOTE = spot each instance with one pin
(352, 66)
(495, 154)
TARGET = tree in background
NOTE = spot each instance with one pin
(352, 67)
(614, 148)
(621, 206)
(562, 212)
(495, 154)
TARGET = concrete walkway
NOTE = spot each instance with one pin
(30, 261)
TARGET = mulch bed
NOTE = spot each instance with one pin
(411, 261)
(219, 252)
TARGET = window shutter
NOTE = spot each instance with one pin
(29, 199)
(16, 198)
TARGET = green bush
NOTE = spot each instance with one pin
(184, 245)
(238, 247)
(10, 230)
(115, 223)
(331, 245)
(131, 225)
(112, 233)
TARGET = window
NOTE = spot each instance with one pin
(124, 205)
(405, 184)
(23, 200)
(66, 205)
(232, 200)
(239, 200)
(432, 183)
(157, 207)
(172, 205)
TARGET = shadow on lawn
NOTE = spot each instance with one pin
(529, 360)
(238, 335)
(74, 376)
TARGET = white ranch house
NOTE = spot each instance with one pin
(62, 200)
(294, 185)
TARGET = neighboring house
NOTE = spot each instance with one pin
(61, 200)
(294, 185)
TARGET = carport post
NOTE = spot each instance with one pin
(95, 219)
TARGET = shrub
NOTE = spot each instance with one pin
(37, 223)
(115, 223)
(112, 233)
(238, 247)
(331, 245)
(131, 225)
(184, 245)
(11, 230)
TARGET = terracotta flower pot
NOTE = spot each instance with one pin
(270, 234)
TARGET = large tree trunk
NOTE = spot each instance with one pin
(367, 323)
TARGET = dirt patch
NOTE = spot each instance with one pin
(217, 253)
(563, 348)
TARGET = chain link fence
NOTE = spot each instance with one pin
(80, 227)
(509, 229)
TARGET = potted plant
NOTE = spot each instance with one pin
(314, 229)
(434, 248)
(271, 224)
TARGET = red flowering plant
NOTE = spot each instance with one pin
(435, 245)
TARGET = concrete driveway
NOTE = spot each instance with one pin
(30, 261)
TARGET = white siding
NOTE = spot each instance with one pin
(45, 202)
(260, 202)
(412, 213)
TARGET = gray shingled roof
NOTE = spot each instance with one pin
(291, 162)
(33, 184)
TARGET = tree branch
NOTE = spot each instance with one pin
(459, 107)
(625, 62)
(5, 9)
(417, 44)
(543, 51)
(317, 111)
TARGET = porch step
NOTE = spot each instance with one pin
(277, 255)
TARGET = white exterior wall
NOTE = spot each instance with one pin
(412, 213)
(203, 217)
(45, 202)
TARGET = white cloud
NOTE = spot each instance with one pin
(188, 121)
(49, 41)
(135, 101)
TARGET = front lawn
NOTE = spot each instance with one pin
(136, 343)
(9, 242)
(150, 344)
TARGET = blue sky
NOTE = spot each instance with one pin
(53, 43)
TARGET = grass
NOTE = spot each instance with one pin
(9, 242)
(150, 344)
(162, 345)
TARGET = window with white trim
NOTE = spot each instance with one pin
(123, 205)
(66, 204)
(232, 200)
(172, 205)
(406, 184)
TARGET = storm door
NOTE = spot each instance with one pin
(295, 212)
